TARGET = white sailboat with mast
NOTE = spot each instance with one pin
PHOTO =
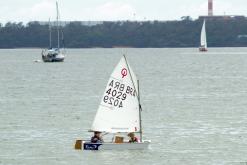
(203, 47)
(119, 112)
(54, 54)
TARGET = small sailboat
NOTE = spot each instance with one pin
(54, 54)
(119, 112)
(203, 47)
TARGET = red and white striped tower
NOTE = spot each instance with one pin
(210, 7)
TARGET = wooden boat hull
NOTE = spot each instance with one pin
(115, 146)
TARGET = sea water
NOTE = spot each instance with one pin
(194, 106)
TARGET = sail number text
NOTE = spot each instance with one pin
(116, 93)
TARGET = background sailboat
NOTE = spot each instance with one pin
(54, 54)
(203, 47)
(119, 111)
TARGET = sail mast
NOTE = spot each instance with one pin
(50, 32)
(206, 45)
(138, 95)
(58, 45)
(140, 109)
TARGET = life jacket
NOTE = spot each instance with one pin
(95, 139)
(135, 140)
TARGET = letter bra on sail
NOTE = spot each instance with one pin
(118, 111)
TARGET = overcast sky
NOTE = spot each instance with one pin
(85, 10)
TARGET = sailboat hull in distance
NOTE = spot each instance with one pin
(52, 55)
(87, 145)
(203, 49)
(52, 59)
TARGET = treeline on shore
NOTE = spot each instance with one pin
(184, 33)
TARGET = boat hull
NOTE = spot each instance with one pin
(52, 55)
(115, 146)
(52, 60)
(203, 49)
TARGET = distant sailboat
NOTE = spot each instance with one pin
(203, 47)
(54, 54)
(119, 111)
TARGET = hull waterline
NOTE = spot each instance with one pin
(115, 146)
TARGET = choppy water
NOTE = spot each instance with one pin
(194, 106)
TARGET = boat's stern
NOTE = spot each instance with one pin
(86, 145)
(91, 146)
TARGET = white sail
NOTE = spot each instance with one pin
(119, 107)
(204, 35)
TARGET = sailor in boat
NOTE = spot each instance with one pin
(132, 137)
(97, 138)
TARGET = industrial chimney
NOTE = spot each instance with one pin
(210, 7)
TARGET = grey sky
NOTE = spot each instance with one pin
(84, 10)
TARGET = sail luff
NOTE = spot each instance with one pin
(206, 45)
(140, 110)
